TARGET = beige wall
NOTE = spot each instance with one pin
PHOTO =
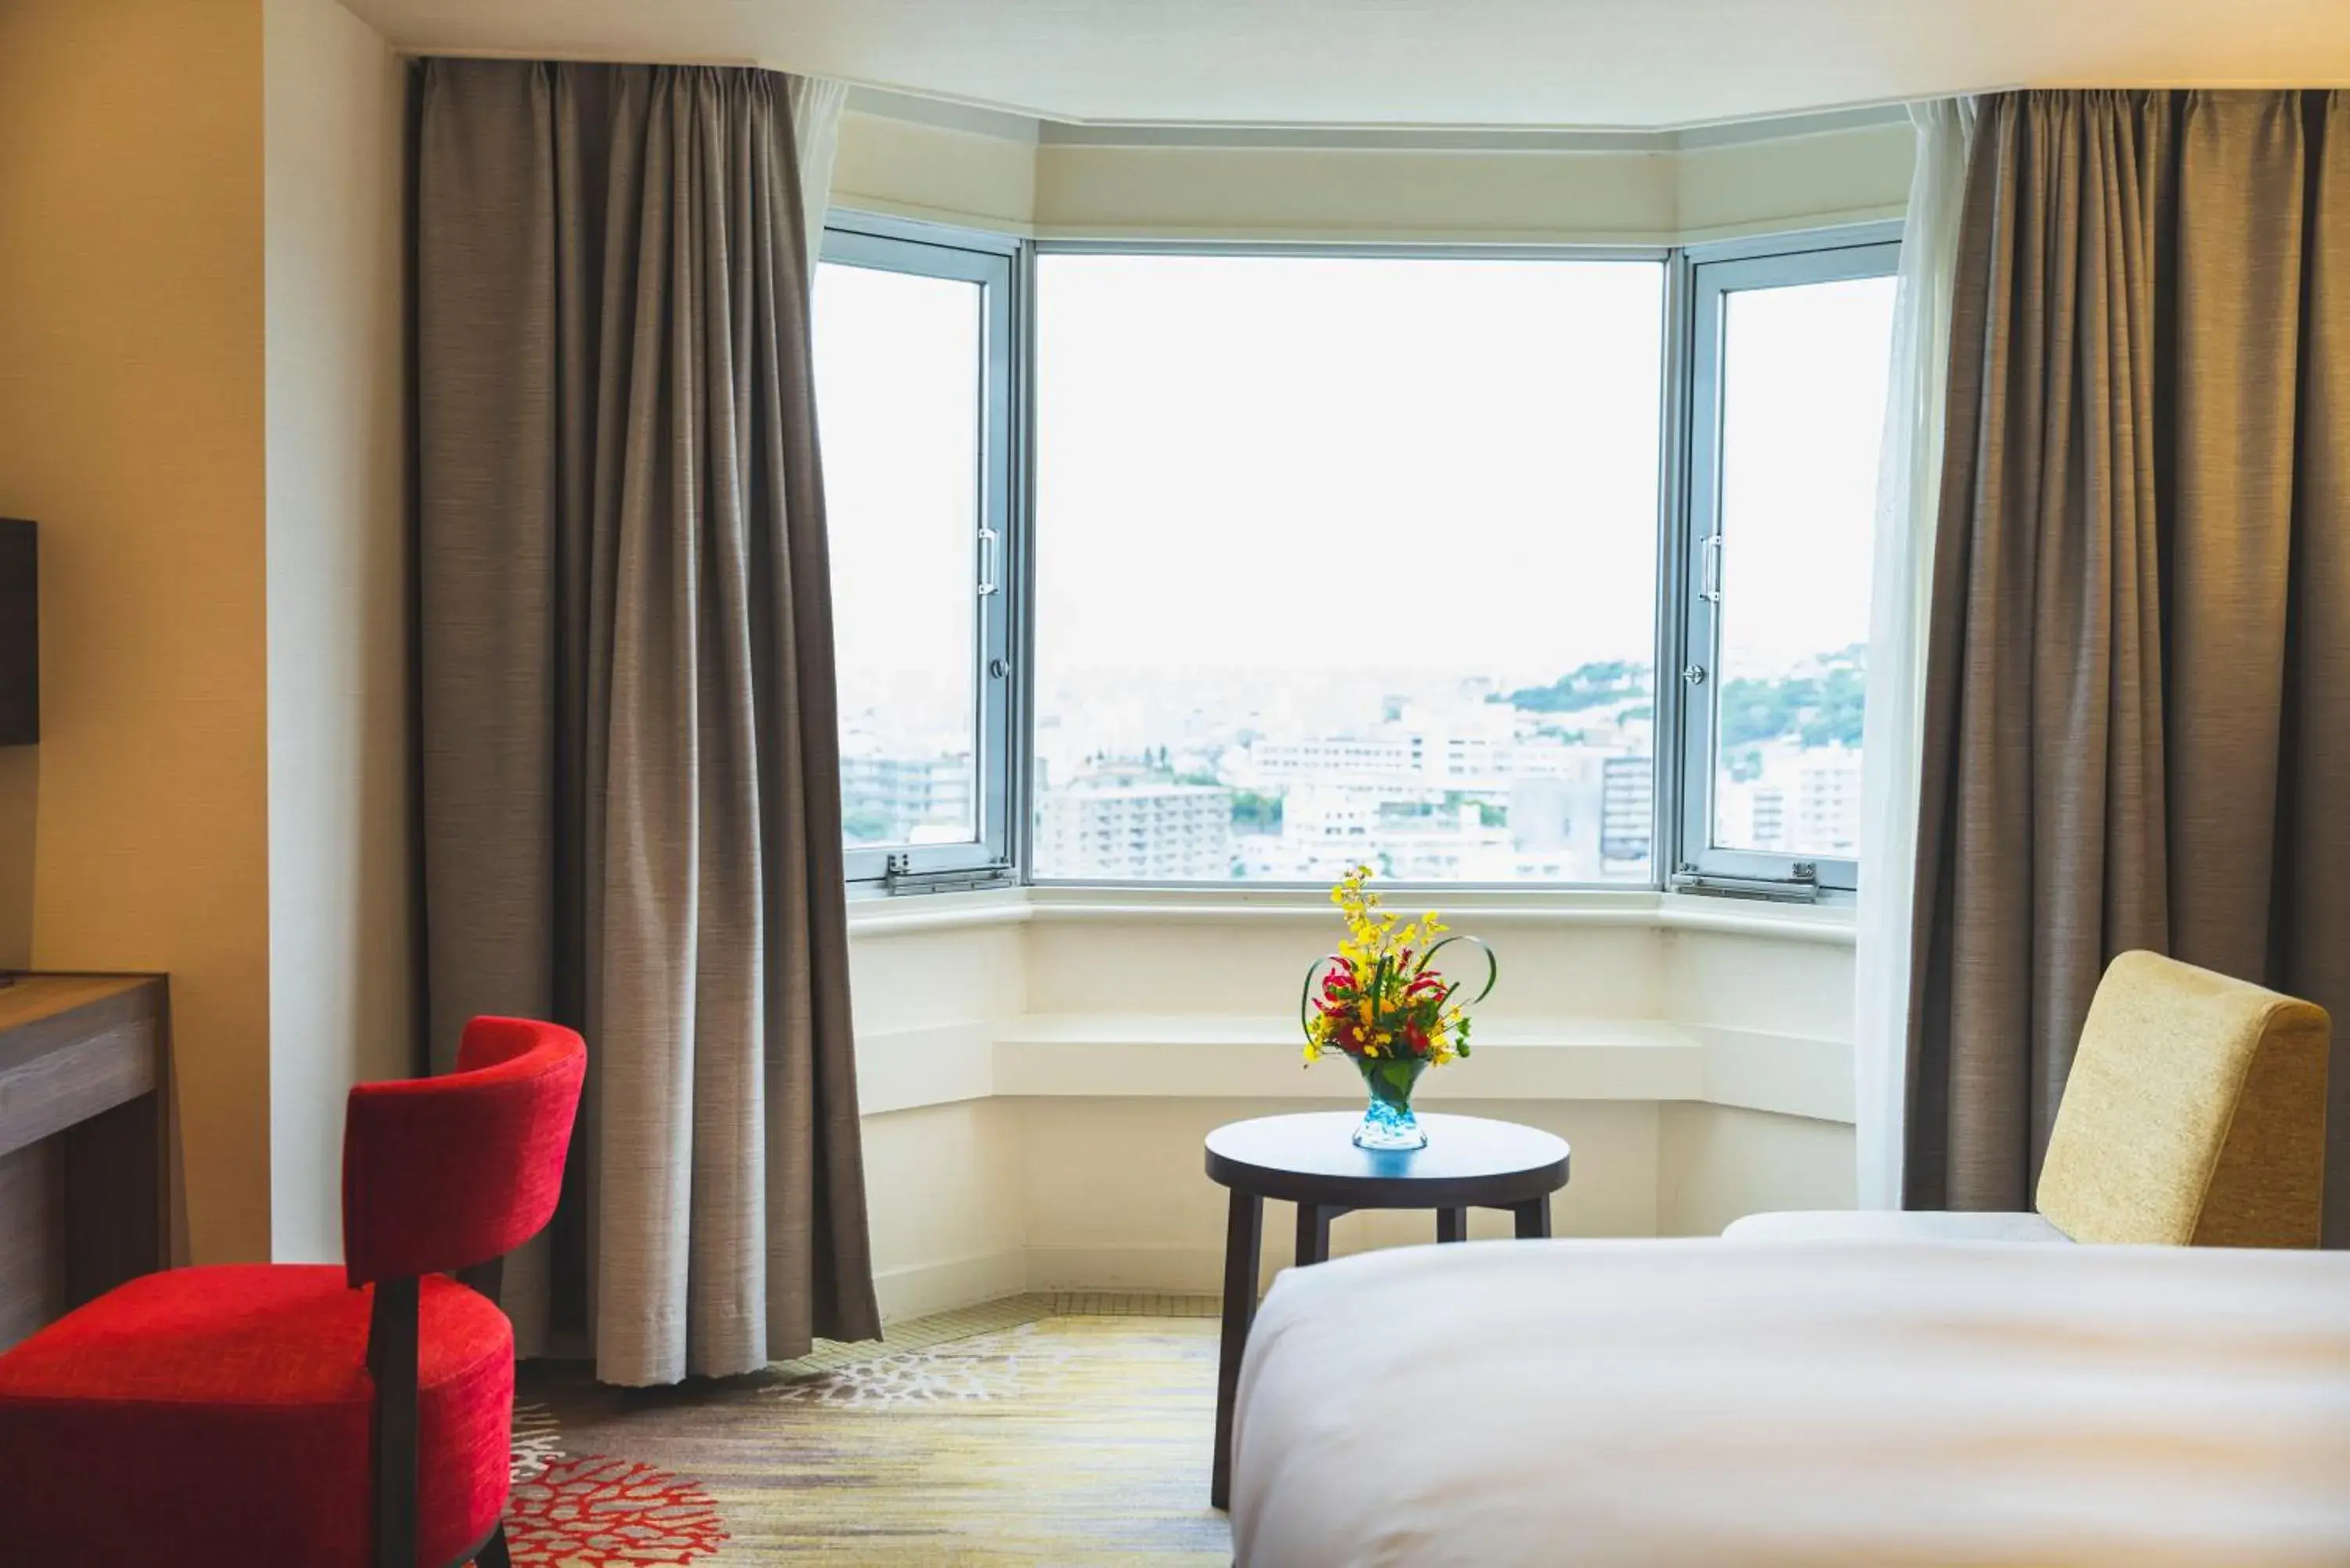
(338, 907)
(200, 403)
(20, 795)
(131, 427)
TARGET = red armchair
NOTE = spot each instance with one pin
(217, 1418)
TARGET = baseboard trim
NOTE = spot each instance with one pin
(1176, 1271)
(918, 1289)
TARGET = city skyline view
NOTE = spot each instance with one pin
(1359, 500)
(1310, 595)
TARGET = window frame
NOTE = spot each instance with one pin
(1697, 278)
(996, 265)
(1704, 278)
(1660, 823)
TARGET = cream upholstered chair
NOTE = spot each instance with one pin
(2195, 1116)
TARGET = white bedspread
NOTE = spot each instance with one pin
(1710, 1405)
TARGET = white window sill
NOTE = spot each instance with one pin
(880, 914)
(1219, 1056)
(1830, 924)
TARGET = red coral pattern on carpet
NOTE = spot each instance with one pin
(611, 1513)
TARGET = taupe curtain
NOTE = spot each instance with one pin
(631, 817)
(2137, 714)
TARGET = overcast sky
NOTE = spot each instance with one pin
(1803, 412)
(1271, 463)
(1276, 463)
(897, 409)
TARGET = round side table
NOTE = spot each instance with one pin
(1311, 1160)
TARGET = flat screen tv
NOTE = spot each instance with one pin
(20, 634)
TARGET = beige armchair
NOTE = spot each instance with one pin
(2195, 1116)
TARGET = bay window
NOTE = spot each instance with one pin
(1218, 565)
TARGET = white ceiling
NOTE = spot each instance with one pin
(1579, 64)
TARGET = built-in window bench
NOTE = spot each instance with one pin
(1124, 1056)
(1038, 1068)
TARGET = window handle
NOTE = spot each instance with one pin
(1708, 579)
(990, 556)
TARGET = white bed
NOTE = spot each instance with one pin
(1706, 1404)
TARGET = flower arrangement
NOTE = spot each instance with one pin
(1380, 1000)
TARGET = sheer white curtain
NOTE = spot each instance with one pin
(1908, 493)
(816, 104)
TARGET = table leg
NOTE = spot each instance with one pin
(1243, 1238)
(1314, 1232)
(1534, 1217)
(1452, 1225)
(113, 1197)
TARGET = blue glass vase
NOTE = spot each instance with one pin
(1387, 1121)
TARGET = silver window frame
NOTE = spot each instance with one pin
(1661, 771)
(1706, 276)
(995, 264)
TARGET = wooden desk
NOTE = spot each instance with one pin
(82, 1189)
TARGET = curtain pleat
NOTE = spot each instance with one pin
(2137, 665)
(631, 812)
(817, 106)
(1909, 472)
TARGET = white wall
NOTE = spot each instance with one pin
(911, 169)
(941, 1169)
(1037, 1085)
(1193, 193)
(339, 909)
(1002, 174)
(1114, 1195)
(1718, 1163)
(1813, 181)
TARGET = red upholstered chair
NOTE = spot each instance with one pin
(229, 1417)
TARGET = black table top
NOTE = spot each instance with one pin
(1470, 1162)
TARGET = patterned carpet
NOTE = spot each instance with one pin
(1045, 1429)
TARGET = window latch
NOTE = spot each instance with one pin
(1709, 582)
(898, 875)
(990, 556)
(1801, 886)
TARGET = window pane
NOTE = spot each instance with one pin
(1346, 560)
(1802, 412)
(898, 378)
